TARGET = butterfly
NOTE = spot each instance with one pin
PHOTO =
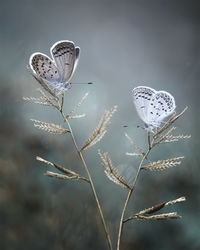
(58, 71)
(153, 106)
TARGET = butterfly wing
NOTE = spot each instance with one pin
(44, 67)
(161, 106)
(66, 58)
(78, 50)
(141, 97)
(165, 106)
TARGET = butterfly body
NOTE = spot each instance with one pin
(153, 106)
(56, 72)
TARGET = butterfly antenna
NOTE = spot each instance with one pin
(82, 83)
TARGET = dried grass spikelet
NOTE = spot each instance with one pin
(168, 137)
(144, 214)
(76, 116)
(69, 174)
(163, 137)
(61, 176)
(50, 127)
(165, 216)
(39, 100)
(42, 83)
(179, 200)
(141, 153)
(175, 138)
(43, 100)
(112, 172)
(69, 116)
(101, 129)
(160, 206)
(133, 154)
(163, 164)
(168, 123)
(42, 93)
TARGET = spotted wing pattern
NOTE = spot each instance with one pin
(44, 67)
(141, 98)
(161, 106)
(153, 106)
(66, 58)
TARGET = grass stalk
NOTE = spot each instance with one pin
(130, 193)
(89, 176)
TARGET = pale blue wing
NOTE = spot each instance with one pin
(64, 54)
(44, 67)
(161, 106)
(142, 96)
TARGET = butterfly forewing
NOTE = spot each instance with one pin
(64, 55)
(44, 67)
(141, 98)
(77, 56)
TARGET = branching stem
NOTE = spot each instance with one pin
(130, 193)
(89, 177)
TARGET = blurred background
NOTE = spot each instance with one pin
(123, 44)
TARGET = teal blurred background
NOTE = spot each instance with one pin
(123, 44)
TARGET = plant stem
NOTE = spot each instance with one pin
(149, 139)
(130, 193)
(90, 181)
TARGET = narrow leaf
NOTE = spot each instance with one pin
(165, 216)
(62, 169)
(65, 177)
(157, 207)
(69, 174)
(144, 214)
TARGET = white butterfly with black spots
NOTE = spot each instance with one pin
(153, 106)
(58, 71)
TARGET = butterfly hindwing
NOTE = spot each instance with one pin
(161, 106)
